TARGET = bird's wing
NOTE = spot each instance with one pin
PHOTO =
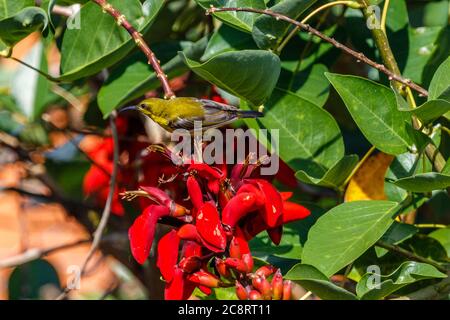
(214, 105)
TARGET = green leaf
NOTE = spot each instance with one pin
(374, 109)
(431, 110)
(424, 182)
(397, 233)
(241, 20)
(226, 39)
(309, 136)
(408, 272)
(443, 236)
(10, 8)
(335, 176)
(32, 102)
(414, 49)
(16, 27)
(100, 42)
(27, 280)
(404, 165)
(310, 83)
(134, 77)
(315, 281)
(441, 81)
(268, 32)
(240, 73)
(345, 232)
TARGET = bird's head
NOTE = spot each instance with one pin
(150, 106)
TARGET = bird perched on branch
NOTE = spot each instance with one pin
(180, 113)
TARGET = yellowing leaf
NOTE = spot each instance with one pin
(368, 181)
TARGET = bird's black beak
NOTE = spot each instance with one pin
(128, 108)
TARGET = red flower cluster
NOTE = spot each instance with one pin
(225, 213)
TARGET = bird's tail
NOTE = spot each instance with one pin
(249, 114)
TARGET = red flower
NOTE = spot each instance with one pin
(249, 206)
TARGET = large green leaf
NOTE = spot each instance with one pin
(32, 102)
(310, 139)
(16, 27)
(404, 165)
(241, 20)
(268, 32)
(441, 81)
(424, 182)
(417, 51)
(10, 8)
(409, 272)
(133, 77)
(443, 236)
(100, 42)
(225, 39)
(310, 83)
(315, 281)
(247, 74)
(397, 233)
(431, 110)
(335, 176)
(374, 109)
(346, 232)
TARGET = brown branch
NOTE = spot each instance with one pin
(33, 254)
(142, 45)
(107, 210)
(357, 55)
(409, 255)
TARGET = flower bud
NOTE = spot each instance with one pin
(287, 287)
(241, 292)
(190, 264)
(265, 271)
(255, 295)
(277, 285)
(204, 278)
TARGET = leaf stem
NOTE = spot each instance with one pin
(357, 55)
(409, 255)
(141, 44)
(360, 163)
(42, 73)
(431, 225)
(384, 15)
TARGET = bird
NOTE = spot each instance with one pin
(182, 112)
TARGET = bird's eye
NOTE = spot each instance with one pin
(142, 106)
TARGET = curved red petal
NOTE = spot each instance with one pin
(275, 234)
(179, 288)
(168, 254)
(286, 195)
(195, 192)
(273, 202)
(142, 231)
(210, 227)
(239, 206)
(293, 211)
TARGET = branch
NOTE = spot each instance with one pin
(107, 210)
(409, 255)
(357, 55)
(436, 291)
(142, 45)
(33, 254)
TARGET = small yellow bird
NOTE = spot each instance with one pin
(180, 113)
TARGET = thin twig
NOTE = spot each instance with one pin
(107, 210)
(357, 55)
(409, 255)
(33, 254)
(112, 185)
(142, 45)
